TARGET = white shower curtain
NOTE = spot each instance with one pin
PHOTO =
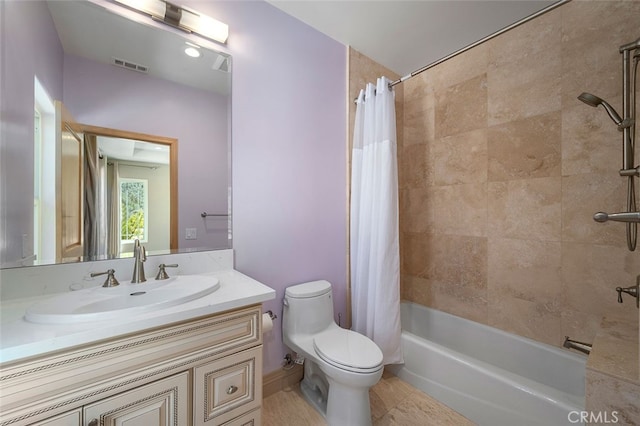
(375, 259)
(113, 211)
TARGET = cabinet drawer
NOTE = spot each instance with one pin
(226, 388)
(161, 403)
(72, 418)
(250, 419)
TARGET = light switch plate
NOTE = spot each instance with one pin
(191, 234)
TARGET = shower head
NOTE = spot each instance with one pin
(594, 101)
(590, 99)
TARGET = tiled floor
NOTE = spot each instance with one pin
(393, 403)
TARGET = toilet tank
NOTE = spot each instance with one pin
(308, 308)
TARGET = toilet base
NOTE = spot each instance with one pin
(314, 387)
(314, 397)
(347, 405)
(339, 403)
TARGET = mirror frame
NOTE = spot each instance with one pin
(172, 143)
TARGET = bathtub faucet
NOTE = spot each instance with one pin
(579, 346)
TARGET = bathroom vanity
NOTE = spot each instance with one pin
(197, 363)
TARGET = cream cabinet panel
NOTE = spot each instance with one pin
(73, 418)
(250, 419)
(161, 403)
(210, 366)
(226, 388)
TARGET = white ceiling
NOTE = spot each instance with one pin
(93, 32)
(406, 35)
(402, 35)
(133, 150)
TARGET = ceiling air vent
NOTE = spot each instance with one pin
(221, 64)
(130, 65)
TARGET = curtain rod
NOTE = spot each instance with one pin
(134, 165)
(487, 38)
(472, 45)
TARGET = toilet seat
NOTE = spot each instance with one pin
(348, 350)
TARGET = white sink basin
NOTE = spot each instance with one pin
(98, 304)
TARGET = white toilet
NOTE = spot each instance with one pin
(340, 365)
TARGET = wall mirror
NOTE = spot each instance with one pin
(154, 100)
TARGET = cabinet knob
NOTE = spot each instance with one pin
(231, 390)
(93, 422)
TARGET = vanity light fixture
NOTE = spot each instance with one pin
(181, 17)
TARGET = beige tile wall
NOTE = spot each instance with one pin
(501, 170)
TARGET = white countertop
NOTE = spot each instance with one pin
(21, 339)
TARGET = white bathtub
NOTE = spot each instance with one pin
(492, 377)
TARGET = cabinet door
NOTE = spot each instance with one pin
(69, 187)
(72, 418)
(227, 388)
(161, 403)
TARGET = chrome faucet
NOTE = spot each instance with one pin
(140, 256)
(111, 280)
(162, 274)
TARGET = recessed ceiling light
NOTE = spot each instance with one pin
(192, 51)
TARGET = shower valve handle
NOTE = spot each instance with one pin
(632, 217)
(633, 291)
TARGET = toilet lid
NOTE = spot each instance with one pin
(310, 289)
(348, 349)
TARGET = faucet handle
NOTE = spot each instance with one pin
(162, 274)
(111, 280)
(633, 291)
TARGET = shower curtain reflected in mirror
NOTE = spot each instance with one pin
(101, 199)
(375, 259)
(113, 211)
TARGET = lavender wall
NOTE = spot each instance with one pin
(288, 157)
(289, 166)
(30, 47)
(108, 96)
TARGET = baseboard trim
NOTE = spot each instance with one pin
(280, 380)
